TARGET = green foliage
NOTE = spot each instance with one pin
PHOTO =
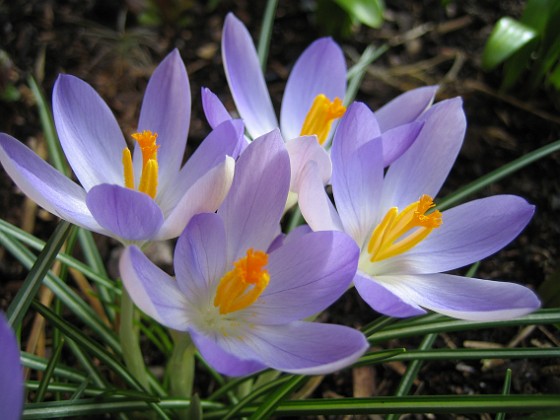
(339, 17)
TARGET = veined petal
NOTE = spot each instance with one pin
(382, 300)
(405, 108)
(200, 258)
(45, 185)
(321, 69)
(152, 290)
(307, 274)
(11, 378)
(205, 195)
(245, 78)
(303, 150)
(357, 127)
(255, 203)
(422, 169)
(463, 297)
(126, 213)
(305, 348)
(397, 140)
(214, 110)
(166, 110)
(89, 134)
(469, 233)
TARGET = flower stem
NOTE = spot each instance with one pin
(181, 365)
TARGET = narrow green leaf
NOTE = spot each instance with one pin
(268, 406)
(356, 73)
(507, 37)
(266, 32)
(368, 12)
(34, 362)
(505, 391)
(49, 372)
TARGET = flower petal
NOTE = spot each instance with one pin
(463, 297)
(422, 169)
(152, 290)
(397, 140)
(382, 300)
(214, 110)
(128, 214)
(200, 258)
(469, 233)
(11, 379)
(305, 149)
(255, 203)
(89, 134)
(166, 110)
(307, 274)
(405, 108)
(245, 78)
(321, 69)
(357, 127)
(45, 185)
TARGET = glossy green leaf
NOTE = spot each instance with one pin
(368, 12)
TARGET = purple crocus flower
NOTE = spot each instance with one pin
(405, 243)
(11, 374)
(147, 196)
(241, 290)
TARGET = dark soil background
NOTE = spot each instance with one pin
(106, 44)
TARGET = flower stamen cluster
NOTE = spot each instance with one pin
(320, 117)
(149, 178)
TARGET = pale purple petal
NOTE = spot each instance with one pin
(405, 108)
(11, 376)
(321, 69)
(307, 274)
(128, 214)
(89, 134)
(214, 110)
(152, 290)
(357, 127)
(463, 297)
(423, 168)
(303, 150)
(222, 361)
(305, 348)
(245, 78)
(166, 110)
(200, 258)
(469, 233)
(382, 300)
(357, 185)
(314, 203)
(397, 140)
(255, 203)
(283, 239)
(205, 195)
(45, 185)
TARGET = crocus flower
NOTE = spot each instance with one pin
(241, 290)
(11, 374)
(405, 242)
(148, 197)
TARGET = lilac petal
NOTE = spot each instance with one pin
(321, 69)
(255, 203)
(245, 78)
(382, 300)
(469, 233)
(11, 378)
(422, 169)
(200, 258)
(283, 239)
(357, 185)
(464, 298)
(224, 362)
(128, 214)
(307, 274)
(205, 195)
(152, 290)
(314, 203)
(45, 185)
(166, 110)
(405, 108)
(397, 140)
(357, 127)
(305, 348)
(214, 110)
(89, 134)
(301, 151)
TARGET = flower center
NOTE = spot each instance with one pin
(149, 178)
(242, 286)
(320, 117)
(400, 231)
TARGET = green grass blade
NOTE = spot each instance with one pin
(49, 372)
(266, 32)
(269, 405)
(357, 71)
(34, 362)
(505, 391)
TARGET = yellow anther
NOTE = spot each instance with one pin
(320, 117)
(241, 286)
(128, 170)
(399, 232)
(149, 178)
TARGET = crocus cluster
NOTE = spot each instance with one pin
(244, 291)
